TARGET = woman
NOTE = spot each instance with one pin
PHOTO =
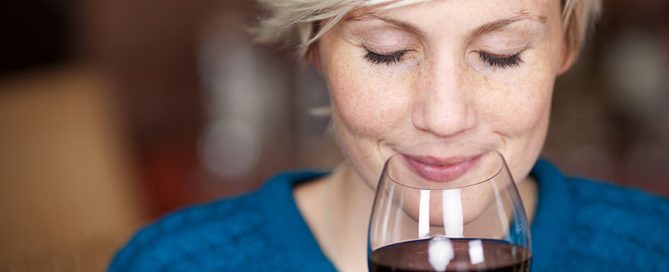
(402, 72)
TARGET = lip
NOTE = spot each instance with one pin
(441, 170)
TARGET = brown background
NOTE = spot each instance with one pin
(115, 112)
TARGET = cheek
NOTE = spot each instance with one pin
(364, 100)
(519, 104)
(526, 96)
(518, 111)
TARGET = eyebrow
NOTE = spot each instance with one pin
(492, 26)
(486, 28)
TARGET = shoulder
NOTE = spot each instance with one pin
(620, 198)
(586, 225)
(196, 237)
(626, 226)
(227, 235)
(596, 196)
(610, 201)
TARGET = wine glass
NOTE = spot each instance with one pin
(448, 206)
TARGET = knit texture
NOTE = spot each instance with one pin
(584, 225)
(579, 225)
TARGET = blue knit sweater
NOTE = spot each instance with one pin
(579, 225)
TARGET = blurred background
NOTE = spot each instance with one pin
(114, 112)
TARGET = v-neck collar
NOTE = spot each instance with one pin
(550, 226)
(551, 221)
(290, 229)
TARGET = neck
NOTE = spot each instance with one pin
(337, 209)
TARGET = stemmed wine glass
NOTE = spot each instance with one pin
(448, 206)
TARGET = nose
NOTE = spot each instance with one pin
(445, 103)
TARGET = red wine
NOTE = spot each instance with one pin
(414, 255)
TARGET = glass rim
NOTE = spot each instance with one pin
(462, 186)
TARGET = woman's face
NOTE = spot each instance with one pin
(474, 70)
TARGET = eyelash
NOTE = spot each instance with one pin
(489, 59)
(501, 61)
(376, 58)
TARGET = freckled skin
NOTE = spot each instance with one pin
(439, 89)
(442, 89)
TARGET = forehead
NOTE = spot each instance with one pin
(445, 14)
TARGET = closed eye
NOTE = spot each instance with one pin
(501, 61)
(377, 58)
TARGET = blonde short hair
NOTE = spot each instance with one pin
(296, 22)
